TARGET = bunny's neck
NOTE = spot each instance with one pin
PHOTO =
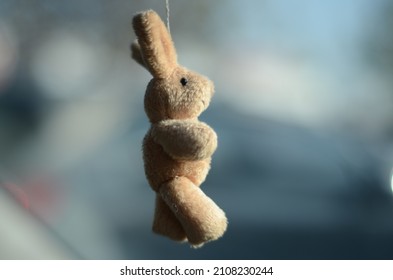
(179, 120)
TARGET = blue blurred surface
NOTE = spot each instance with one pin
(303, 113)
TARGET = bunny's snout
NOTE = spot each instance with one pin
(208, 92)
(211, 85)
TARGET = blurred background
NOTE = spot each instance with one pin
(303, 110)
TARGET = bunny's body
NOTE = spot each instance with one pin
(178, 147)
(169, 153)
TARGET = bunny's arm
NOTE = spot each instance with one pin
(185, 139)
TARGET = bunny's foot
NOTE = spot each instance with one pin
(201, 218)
(166, 223)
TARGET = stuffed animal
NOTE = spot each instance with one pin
(177, 149)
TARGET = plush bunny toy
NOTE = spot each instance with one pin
(178, 147)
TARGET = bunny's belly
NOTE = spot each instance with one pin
(160, 167)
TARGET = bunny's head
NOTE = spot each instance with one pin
(174, 92)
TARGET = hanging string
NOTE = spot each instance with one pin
(167, 15)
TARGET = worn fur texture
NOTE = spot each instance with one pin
(177, 149)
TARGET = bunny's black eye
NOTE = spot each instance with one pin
(183, 81)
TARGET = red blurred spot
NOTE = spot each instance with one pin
(19, 194)
(40, 196)
(44, 195)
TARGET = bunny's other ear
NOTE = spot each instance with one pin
(136, 53)
(158, 51)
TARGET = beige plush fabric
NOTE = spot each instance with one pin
(177, 149)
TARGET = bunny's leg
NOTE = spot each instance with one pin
(200, 217)
(166, 223)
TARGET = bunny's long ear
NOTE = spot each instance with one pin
(158, 51)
